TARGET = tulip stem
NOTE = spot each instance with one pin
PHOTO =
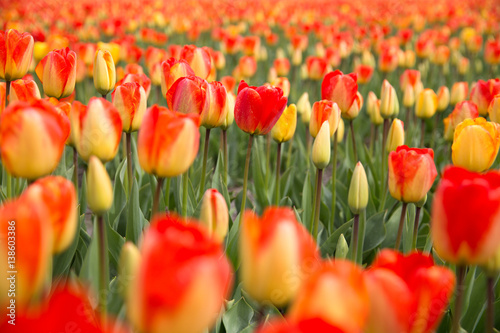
(384, 159)
(490, 311)
(185, 178)
(334, 181)
(130, 171)
(278, 174)
(422, 133)
(167, 193)
(372, 137)
(204, 167)
(289, 154)
(103, 263)
(401, 223)
(245, 177)
(317, 203)
(268, 159)
(355, 235)
(415, 228)
(308, 144)
(457, 314)
(75, 171)
(105, 96)
(353, 142)
(224, 151)
(156, 198)
(7, 93)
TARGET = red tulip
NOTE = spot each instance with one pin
(257, 109)
(316, 67)
(483, 92)
(365, 73)
(282, 66)
(340, 88)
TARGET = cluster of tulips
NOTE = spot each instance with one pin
(114, 219)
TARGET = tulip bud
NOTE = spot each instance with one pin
(214, 214)
(463, 65)
(443, 97)
(282, 66)
(396, 136)
(247, 66)
(342, 248)
(389, 105)
(358, 190)
(230, 102)
(57, 72)
(459, 92)
(24, 90)
(99, 188)
(297, 57)
(104, 72)
(340, 131)
(304, 108)
(494, 109)
(426, 104)
(130, 101)
(17, 52)
(356, 106)
(112, 48)
(285, 126)
(130, 258)
(316, 68)
(322, 147)
(422, 202)
(409, 96)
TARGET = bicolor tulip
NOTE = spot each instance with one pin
(461, 197)
(427, 104)
(482, 94)
(443, 96)
(389, 104)
(257, 109)
(57, 72)
(340, 88)
(282, 66)
(214, 214)
(183, 274)
(198, 58)
(172, 70)
(104, 72)
(463, 110)
(142, 79)
(322, 111)
(365, 73)
(285, 126)
(96, 129)
(247, 66)
(494, 109)
(411, 173)
(32, 138)
(356, 106)
(316, 68)
(24, 90)
(396, 135)
(475, 144)
(459, 92)
(168, 141)
(130, 101)
(16, 53)
(274, 248)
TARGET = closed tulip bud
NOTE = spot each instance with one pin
(396, 135)
(443, 96)
(461, 197)
(422, 202)
(214, 214)
(296, 57)
(285, 126)
(342, 248)
(304, 108)
(28, 220)
(17, 52)
(358, 190)
(57, 72)
(356, 106)
(247, 66)
(199, 60)
(316, 68)
(463, 65)
(459, 92)
(409, 96)
(32, 138)
(475, 144)
(96, 129)
(24, 90)
(494, 109)
(373, 109)
(257, 109)
(368, 59)
(411, 173)
(183, 274)
(282, 66)
(341, 280)
(112, 48)
(426, 104)
(389, 105)
(172, 70)
(130, 101)
(104, 72)
(130, 259)
(322, 111)
(58, 195)
(340, 131)
(156, 74)
(230, 102)
(410, 58)
(364, 73)
(168, 141)
(99, 187)
(322, 147)
(273, 248)
(341, 89)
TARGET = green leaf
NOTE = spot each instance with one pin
(120, 196)
(134, 221)
(238, 317)
(62, 261)
(307, 197)
(329, 246)
(375, 231)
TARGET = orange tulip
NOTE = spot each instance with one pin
(198, 59)
(142, 79)
(24, 90)
(247, 66)
(85, 52)
(58, 195)
(130, 101)
(273, 249)
(316, 68)
(96, 129)
(57, 72)
(459, 92)
(32, 138)
(172, 70)
(168, 141)
(463, 110)
(16, 53)
(183, 274)
(322, 111)
(282, 66)
(365, 73)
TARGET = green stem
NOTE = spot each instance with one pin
(459, 298)
(490, 311)
(105, 96)
(268, 159)
(7, 93)
(401, 223)
(9, 185)
(415, 228)
(351, 125)
(317, 203)
(167, 193)
(224, 151)
(334, 181)
(372, 138)
(245, 177)
(361, 236)
(130, 171)
(185, 178)
(355, 235)
(204, 167)
(103, 263)
(289, 154)
(407, 117)
(156, 198)
(422, 133)
(383, 162)
(278, 174)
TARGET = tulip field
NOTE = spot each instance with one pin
(250, 166)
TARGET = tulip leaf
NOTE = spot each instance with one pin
(134, 220)
(232, 243)
(391, 225)
(115, 299)
(62, 261)
(329, 246)
(307, 198)
(375, 231)
(82, 197)
(120, 197)
(238, 317)
(477, 305)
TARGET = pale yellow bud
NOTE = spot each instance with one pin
(214, 214)
(304, 108)
(358, 190)
(396, 135)
(322, 147)
(99, 188)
